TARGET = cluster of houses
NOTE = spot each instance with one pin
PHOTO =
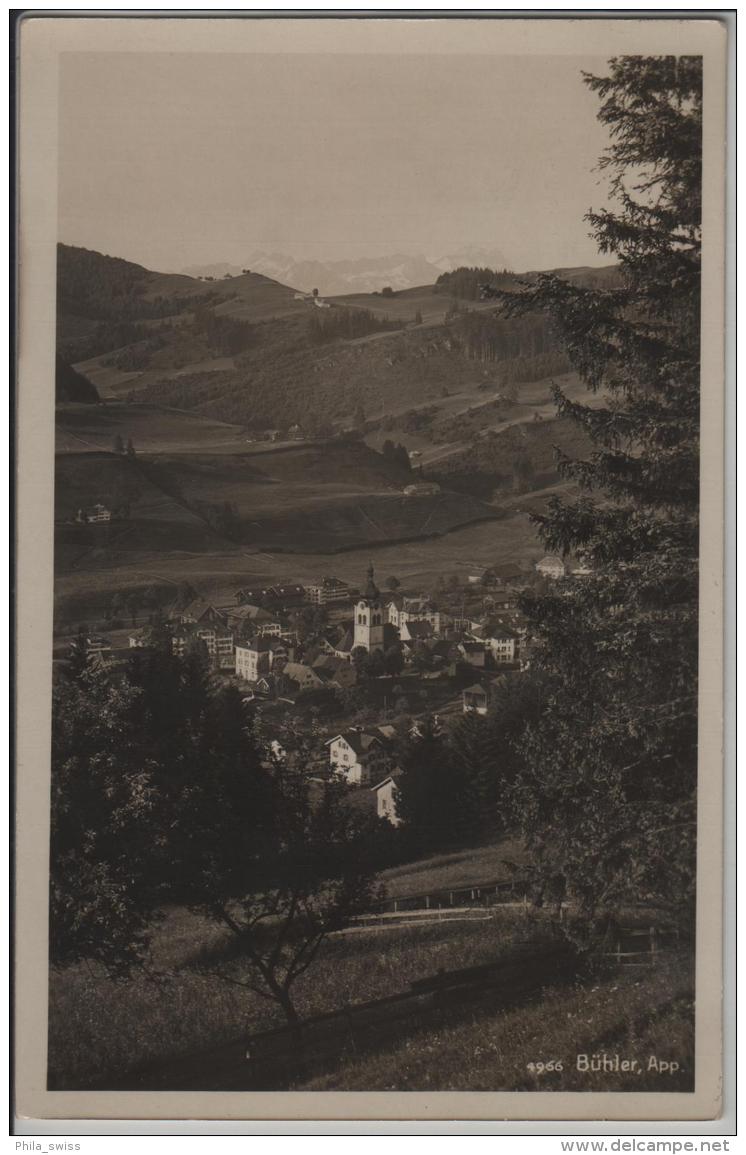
(256, 644)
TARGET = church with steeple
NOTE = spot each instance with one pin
(369, 625)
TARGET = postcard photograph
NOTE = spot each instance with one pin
(375, 729)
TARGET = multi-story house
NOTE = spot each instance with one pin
(502, 644)
(421, 610)
(254, 659)
(271, 629)
(327, 592)
(360, 756)
(218, 643)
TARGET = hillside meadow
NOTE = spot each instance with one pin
(96, 1024)
(94, 428)
(644, 1014)
(218, 573)
(175, 1022)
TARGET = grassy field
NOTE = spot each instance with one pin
(99, 1027)
(296, 505)
(308, 499)
(479, 864)
(93, 428)
(405, 303)
(642, 1015)
(100, 1031)
(219, 572)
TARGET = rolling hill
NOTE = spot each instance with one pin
(319, 498)
(245, 350)
(106, 304)
(197, 373)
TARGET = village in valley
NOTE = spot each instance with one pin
(338, 676)
(374, 729)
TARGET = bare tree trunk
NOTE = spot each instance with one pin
(293, 1018)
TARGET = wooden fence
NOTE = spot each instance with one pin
(635, 946)
(494, 892)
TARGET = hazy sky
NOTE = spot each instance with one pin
(181, 159)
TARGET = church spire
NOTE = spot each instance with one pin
(372, 593)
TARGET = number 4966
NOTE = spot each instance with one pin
(542, 1068)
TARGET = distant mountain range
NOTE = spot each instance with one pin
(360, 275)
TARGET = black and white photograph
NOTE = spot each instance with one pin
(375, 745)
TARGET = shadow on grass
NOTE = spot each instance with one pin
(279, 1059)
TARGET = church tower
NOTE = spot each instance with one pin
(369, 618)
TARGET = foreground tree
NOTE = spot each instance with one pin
(606, 796)
(309, 875)
(160, 795)
(102, 892)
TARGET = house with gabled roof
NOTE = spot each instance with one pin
(385, 793)
(302, 676)
(333, 668)
(361, 755)
(551, 567)
(416, 631)
(475, 653)
(344, 646)
(199, 612)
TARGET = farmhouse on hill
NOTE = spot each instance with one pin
(421, 489)
(551, 566)
(98, 513)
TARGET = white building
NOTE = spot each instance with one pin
(502, 644)
(360, 756)
(551, 566)
(253, 660)
(400, 610)
(327, 591)
(272, 629)
(98, 513)
(385, 793)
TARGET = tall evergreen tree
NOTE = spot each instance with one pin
(430, 796)
(607, 792)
